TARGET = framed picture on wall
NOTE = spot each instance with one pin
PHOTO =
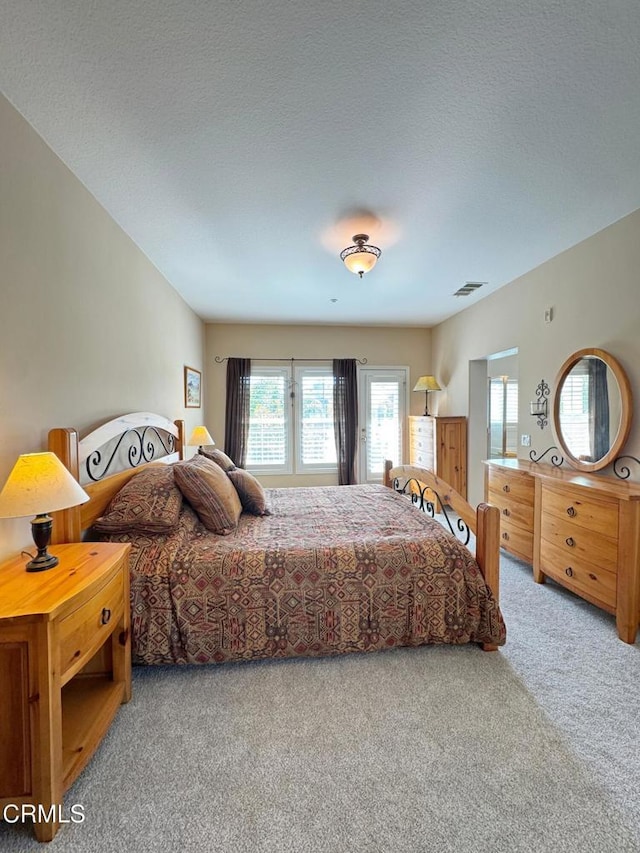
(192, 388)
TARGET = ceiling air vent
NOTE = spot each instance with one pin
(469, 287)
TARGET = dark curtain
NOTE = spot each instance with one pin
(598, 408)
(345, 417)
(236, 418)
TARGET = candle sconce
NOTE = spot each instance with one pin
(540, 406)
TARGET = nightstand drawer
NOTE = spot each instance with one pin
(85, 630)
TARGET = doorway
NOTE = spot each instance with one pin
(382, 414)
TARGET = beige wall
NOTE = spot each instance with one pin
(89, 328)
(594, 291)
(384, 347)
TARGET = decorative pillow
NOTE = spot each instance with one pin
(147, 503)
(220, 458)
(210, 492)
(250, 491)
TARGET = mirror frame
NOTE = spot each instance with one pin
(626, 403)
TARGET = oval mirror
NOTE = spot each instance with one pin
(591, 409)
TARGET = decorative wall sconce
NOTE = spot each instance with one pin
(540, 406)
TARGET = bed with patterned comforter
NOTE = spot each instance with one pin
(331, 570)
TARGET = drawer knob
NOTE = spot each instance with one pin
(505, 511)
(505, 535)
(506, 488)
(106, 615)
(569, 571)
(570, 541)
(571, 512)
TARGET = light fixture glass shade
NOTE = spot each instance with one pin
(360, 262)
(199, 437)
(361, 257)
(39, 483)
(427, 383)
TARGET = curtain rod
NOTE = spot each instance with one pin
(220, 360)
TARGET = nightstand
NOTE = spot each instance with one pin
(65, 667)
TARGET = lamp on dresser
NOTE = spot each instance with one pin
(39, 484)
(427, 384)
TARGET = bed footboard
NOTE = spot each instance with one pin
(483, 522)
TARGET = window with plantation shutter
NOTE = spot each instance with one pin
(269, 440)
(291, 420)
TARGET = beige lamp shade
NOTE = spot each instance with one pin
(427, 383)
(199, 437)
(38, 484)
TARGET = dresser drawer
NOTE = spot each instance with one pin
(85, 630)
(597, 515)
(516, 540)
(511, 509)
(578, 574)
(422, 458)
(518, 487)
(576, 541)
(419, 427)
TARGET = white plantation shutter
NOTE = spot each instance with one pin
(269, 427)
(317, 445)
(384, 439)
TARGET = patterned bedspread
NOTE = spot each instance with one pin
(332, 570)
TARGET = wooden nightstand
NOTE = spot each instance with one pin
(65, 667)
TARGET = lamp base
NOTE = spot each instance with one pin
(41, 527)
(42, 562)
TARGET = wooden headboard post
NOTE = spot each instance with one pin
(180, 439)
(63, 441)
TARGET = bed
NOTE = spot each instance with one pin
(330, 570)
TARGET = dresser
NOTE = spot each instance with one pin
(585, 535)
(65, 668)
(440, 445)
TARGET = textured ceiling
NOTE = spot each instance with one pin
(242, 144)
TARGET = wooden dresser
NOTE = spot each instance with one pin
(586, 533)
(65, 668)
(440, 445)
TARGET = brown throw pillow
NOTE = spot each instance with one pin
(250, 491)
(210, 492)
(147, 503)
(220, 458)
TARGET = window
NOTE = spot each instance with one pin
(270, 421)
(314, 419)
(291, 426)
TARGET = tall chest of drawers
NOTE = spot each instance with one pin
(439, 444)
(581, 530)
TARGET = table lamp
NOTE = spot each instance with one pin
(427, 384)
(199, 437)
(39, 484)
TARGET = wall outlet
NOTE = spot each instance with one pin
(525, 440)
(548, 315)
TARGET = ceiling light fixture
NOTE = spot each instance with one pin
(361, 257)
